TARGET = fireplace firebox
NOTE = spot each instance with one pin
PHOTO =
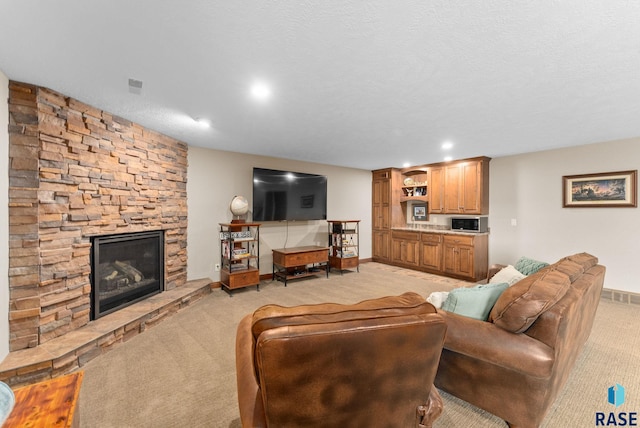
(125, 269)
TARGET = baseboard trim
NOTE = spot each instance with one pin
(620, 296)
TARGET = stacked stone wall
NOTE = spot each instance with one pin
(75, 172)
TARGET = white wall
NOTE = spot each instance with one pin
(4, 216)
(214, 177)
(528, 188)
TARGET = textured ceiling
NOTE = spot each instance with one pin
(365, 84)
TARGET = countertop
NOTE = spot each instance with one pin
(436, 230)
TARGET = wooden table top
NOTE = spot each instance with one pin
(305, 249)
(51, 403)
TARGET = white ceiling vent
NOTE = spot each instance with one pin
(135, 86)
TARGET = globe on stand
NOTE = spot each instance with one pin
(239, 207)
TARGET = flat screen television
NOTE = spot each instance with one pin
(286, 195)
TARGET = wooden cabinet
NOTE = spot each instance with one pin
(436, 190)
(381, 246)
(405, 248)
(381, 205)
(385, 210)
(465, 256)
(458, 187)
(466, 187)
(431, 251)
(239, 255)
(344, 246)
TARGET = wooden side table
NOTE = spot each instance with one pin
(52, 403)
(293, 263)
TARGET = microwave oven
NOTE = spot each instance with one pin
(470, 224)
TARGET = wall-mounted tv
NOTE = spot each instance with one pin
(286, 195)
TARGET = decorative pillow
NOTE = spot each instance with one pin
(437, 298)
(527, 266)
(521, 305)
(475, 302)
(509, 274)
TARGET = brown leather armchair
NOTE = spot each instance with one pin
(368, 364)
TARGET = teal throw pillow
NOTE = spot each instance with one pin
(475, 302)
(527, 266)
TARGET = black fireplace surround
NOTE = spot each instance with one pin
(125, 269)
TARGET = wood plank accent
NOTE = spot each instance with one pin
(51, 403)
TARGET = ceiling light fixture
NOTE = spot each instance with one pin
(448, 158)
(447, 145)
(205, 123)
(260, 91)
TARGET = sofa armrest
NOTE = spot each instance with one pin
(487, 342)
(249, 395)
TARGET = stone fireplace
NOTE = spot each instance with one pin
(77, 173)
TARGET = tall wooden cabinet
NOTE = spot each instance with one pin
(385, 210)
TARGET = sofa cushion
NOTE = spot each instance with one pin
(521, 304)
(508, 274)
(527, 266)
(586, 260)
(474, 302)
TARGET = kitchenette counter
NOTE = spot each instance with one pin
(436, 230)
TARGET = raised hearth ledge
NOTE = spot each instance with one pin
(71, 351)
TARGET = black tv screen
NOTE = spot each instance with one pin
(287, 195)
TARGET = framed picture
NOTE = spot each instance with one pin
(419, 212)
(606, 189)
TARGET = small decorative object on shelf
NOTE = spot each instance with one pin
(239, 255)
(239, 207)
(344, 244)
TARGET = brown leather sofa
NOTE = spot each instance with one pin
(330, 365)
(514, 365)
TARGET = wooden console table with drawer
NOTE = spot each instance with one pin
(299, 262)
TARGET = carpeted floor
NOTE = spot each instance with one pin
(181, 373)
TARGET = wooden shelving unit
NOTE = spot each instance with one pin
(344, 244)
(239, 255)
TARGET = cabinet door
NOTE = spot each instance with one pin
(431, 255)
(452, 189)
(435, 190)
(380, 250)
(381, 209)
(405, 251)
(412, 253)
(470, 187)
(459, 256)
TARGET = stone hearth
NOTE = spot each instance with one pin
(67, 353)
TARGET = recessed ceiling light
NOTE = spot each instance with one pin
(260, 91)
(448, 158)
(205, 123)
(406, 164)
(447, 145)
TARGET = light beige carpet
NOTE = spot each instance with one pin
(181, 373)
